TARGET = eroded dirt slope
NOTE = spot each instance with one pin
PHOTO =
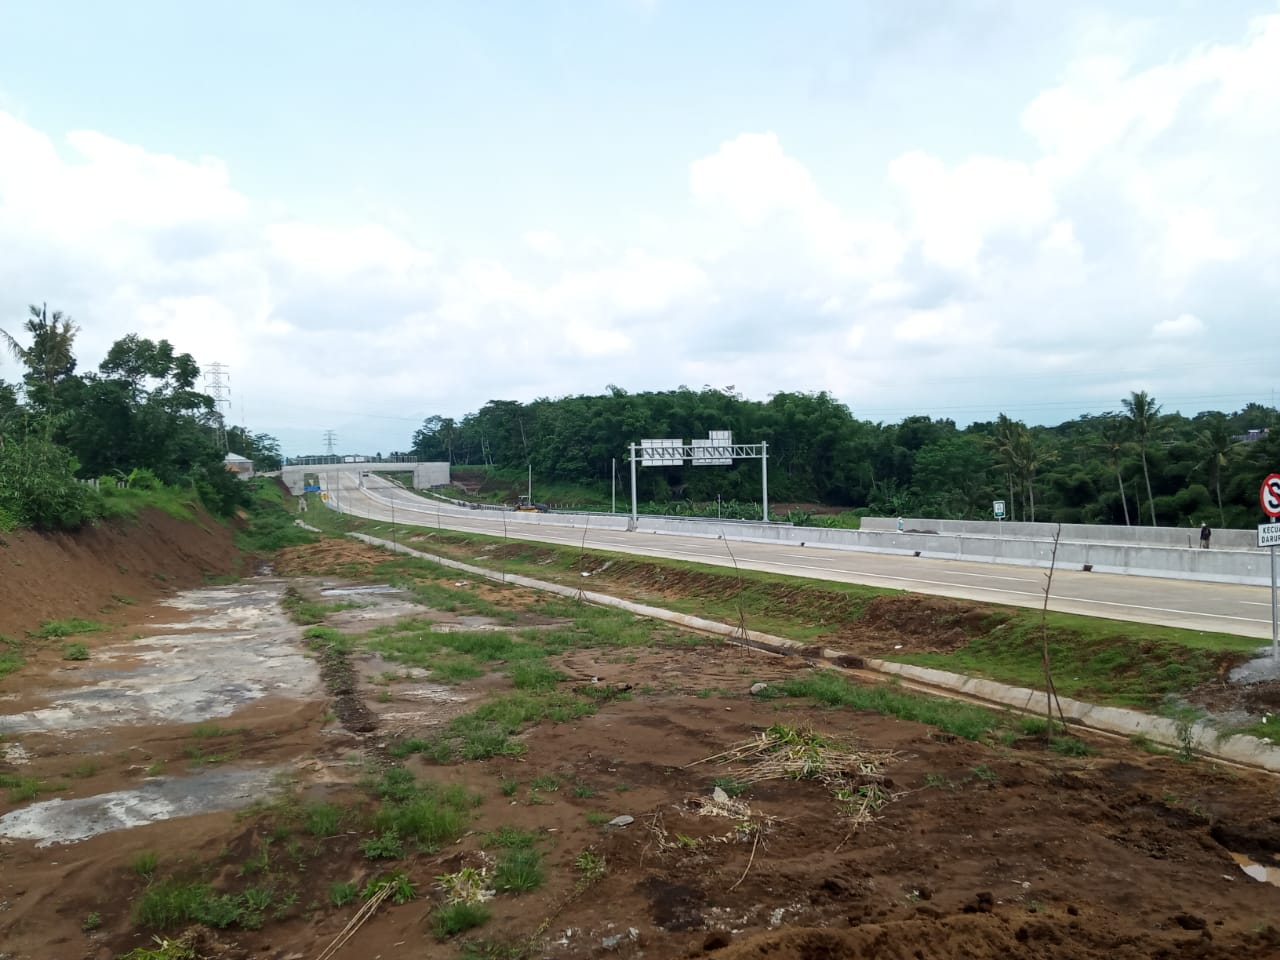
(46, 576)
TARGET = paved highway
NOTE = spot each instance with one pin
(1227, 608)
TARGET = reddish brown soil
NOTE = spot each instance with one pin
(54, 576)
(985, 851)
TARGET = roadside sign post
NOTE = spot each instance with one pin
(997, 508)
(1269, 536)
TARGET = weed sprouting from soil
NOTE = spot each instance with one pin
(591, 866)
(144, 865)
(75, 651)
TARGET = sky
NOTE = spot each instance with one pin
(375, 213)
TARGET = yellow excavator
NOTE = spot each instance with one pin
(525, 505)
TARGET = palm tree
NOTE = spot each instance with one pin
(1217, 445)
(1032, 454)
(1113, 437)
(1006, 446)
(1144, 418)
(50, 357)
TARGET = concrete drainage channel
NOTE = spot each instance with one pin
(1202, 737)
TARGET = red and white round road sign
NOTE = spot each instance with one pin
(1270, 495)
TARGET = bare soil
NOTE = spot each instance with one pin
(87, 573)
(983, 850)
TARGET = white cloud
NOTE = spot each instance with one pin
(954, 211)
(1182, 326)
(545, 243)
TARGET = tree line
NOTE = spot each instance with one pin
(1136, 465)
(138, 419)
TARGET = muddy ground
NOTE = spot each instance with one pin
(199, 728)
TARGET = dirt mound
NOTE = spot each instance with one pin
(47, 576)
(934, 624)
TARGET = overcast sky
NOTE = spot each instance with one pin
(376, 212)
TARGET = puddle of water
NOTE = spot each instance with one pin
(237, 648)
(1257, 870)
(68, 821)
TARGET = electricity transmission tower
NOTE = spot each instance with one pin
(218, 385)
(330, 438)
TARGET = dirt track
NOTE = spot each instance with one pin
(983, 850)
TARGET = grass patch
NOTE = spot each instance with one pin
(75, 651)
(454, 918)
(11, 659)
(519, 870)
(510, 837)
(427, 815)
(173, 903)
(70, 627)
(487, 731)
(323, 819)
(271, 526)
(22, 789)
(534, 676)
(144, 865)
(1103, 661)
(342, 892)
(832, 689)
(1072, 747)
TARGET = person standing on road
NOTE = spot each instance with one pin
(1205, 533)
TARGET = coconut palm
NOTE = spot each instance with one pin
(1143, 414)
(1113, 437)
(1216, 445)
(1007, 449)
(50, 357)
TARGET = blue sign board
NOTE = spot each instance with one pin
(310, 489)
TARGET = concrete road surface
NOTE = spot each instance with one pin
(1226, 608)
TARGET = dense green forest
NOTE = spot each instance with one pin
(138, 420)
(1138, 465)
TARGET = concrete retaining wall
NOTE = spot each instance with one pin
(1075, 532)
(1250, 566)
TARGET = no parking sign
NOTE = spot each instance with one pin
(1270, 495)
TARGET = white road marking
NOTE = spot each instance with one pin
(992, 576)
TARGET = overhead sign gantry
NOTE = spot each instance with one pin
(717, 450)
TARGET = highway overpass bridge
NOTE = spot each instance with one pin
(426, 474)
